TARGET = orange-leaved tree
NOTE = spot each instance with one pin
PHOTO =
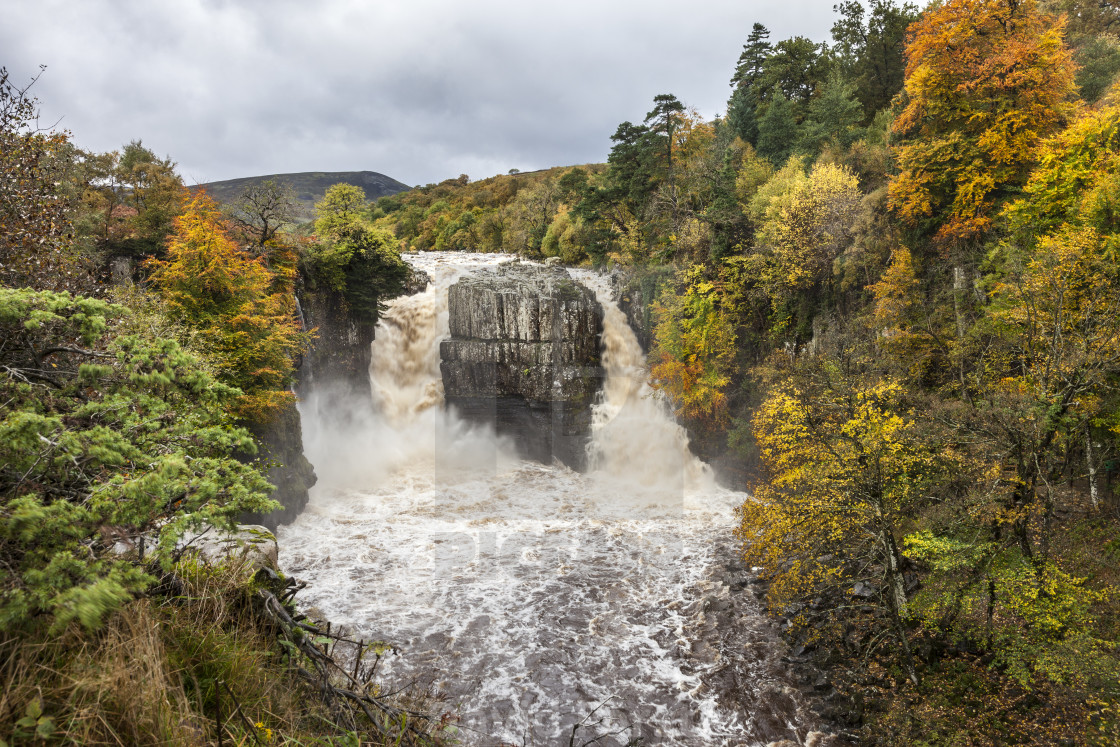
(986, 80)
(230, 296)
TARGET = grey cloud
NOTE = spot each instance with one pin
(421, 90)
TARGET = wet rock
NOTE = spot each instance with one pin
(281, 455)
(863, 590)
(523, 357)
(252, 544)
(417, 281)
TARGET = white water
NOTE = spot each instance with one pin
(540, 600)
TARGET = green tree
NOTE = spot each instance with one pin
(777, 130)
(352, 256)
(749, 67)
(794, 70)
(663, 121)
(833, 116)
(105, 438)
(869, 47)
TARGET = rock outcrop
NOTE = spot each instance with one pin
(285, 466)
(337, 366)
(523, 357)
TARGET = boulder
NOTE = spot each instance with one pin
(523, 357)
(254, 545)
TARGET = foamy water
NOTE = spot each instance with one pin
(550, 606)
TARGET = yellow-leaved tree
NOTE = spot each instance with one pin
(694, 351)
(843, 464)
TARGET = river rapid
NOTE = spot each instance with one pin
(550, 607)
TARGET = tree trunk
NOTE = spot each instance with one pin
(899, 604)
(1091, 463)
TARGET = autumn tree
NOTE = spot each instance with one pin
(986, 80)
(213, 285)
(35, 231)
(692, 360)
(844, 464)
(264, 208)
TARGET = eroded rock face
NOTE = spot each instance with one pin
(523, 357)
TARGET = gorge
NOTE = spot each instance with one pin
(548, 604)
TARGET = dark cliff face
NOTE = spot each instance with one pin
(523, 357)
(285, 466)
(337, 366)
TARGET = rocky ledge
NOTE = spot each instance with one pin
(523, 357)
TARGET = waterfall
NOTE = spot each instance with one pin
(634, 439)
(540, 600)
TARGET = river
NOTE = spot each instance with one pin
(550, 607)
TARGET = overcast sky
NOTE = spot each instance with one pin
(421, 91)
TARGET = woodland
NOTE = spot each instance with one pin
(882, 293)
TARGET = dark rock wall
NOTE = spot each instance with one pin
(523, 357)
(281, 454)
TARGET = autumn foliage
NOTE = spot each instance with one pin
(986, 80)
(222, 290)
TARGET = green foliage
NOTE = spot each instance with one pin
(1098, 63)
(834, 115)
(777, 130)
(353, 257)
(695, 349)
(125, 440)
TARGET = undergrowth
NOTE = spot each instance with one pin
(200, 661)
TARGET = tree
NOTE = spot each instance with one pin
(106, 437)
(794, 69)
(749, 67)
(986, 80)
(777, 130)
(1051, 353)
(213, 285)
(869, 49)
(844, 466)
(834, 115)
(1073, 182)
(34, 226)
(695, 348)
(742, 113)
(353, 257)
(263, 208)
(809, 223)
(151, 187)
(663, 122)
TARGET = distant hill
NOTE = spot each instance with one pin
(310, 186)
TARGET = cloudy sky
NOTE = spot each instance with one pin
(420, 90)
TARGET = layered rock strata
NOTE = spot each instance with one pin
(523, 357)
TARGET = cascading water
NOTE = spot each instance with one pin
(548, 605)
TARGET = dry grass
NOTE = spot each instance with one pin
(164, 671)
